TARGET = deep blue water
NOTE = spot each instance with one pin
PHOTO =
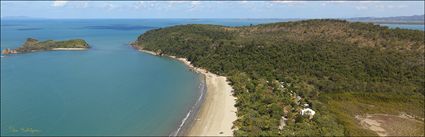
(110, 89)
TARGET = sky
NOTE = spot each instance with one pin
(210, 9)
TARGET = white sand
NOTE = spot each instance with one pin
(218, 111)
(149, 52)
(216, 116)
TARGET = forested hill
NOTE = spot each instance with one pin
(326, 62)
(32, 45)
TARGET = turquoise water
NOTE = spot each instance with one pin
(110, 89)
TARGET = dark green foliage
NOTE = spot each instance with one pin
(315, 58)
(34, 45)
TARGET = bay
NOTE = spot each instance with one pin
(110, 89)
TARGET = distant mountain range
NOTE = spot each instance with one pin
(415, 19)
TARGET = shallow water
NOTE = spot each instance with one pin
(110, 89)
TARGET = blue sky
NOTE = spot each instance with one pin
(210, 9)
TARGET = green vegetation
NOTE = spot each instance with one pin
(32, 45)
(340, 69)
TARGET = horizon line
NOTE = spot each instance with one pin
(29, 17)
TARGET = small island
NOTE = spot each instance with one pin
(33, 45)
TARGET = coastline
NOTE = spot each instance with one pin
(217, 111)
(69, 48)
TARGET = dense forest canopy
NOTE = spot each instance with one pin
(325, 62)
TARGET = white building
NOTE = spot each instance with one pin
(309, 112)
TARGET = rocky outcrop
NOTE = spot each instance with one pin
(8, 51)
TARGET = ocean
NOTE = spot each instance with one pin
(406, 26)
(110, 89)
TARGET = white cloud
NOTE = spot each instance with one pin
(78, 4)
(291, 3)
(369, 1)
(139, 5)
(110, 6)
(361, 7)
(391, 6)
(59, 3)
(84, 4)
(195, 3)
(284, 3)
(154, 5)
(366, 5)
(171, 4)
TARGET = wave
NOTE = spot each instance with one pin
(188, 120)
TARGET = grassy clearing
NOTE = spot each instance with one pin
(347, 105)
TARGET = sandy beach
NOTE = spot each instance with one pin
(218, 111)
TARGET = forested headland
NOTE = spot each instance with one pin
(340, 69)
(32, 45)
